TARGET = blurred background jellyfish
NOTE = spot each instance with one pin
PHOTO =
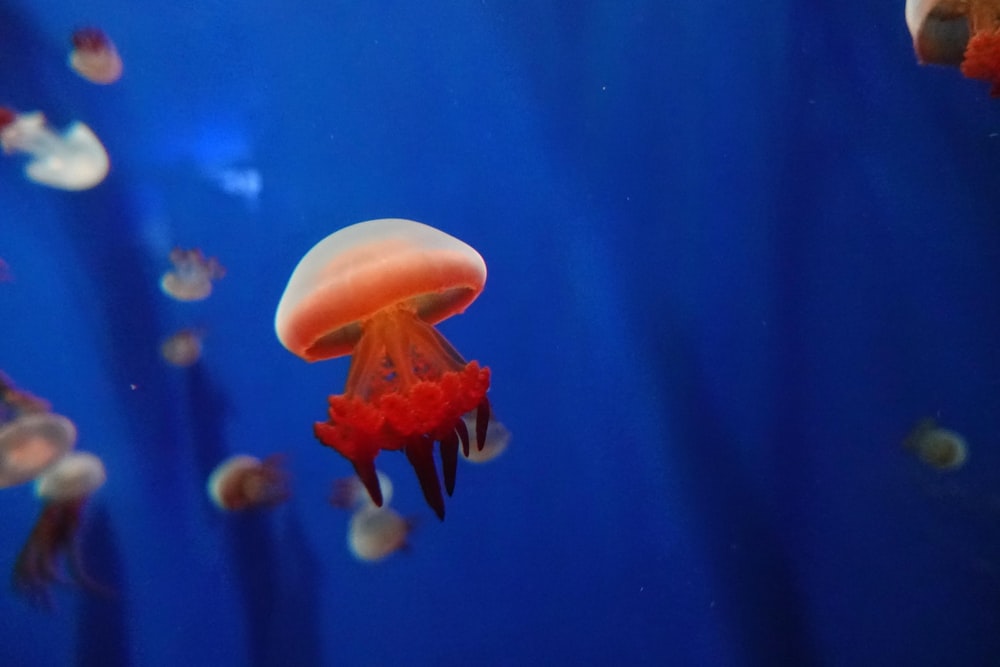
(5, 275)
(350, 494)
(192, 275)
(182, 349)
(374, 290)
(496, 441)
(64, 490)
(74, 161)
(31, 437)
(243, 482)
(94, 56)
(937, 447)
(377, 532)
(958, 33)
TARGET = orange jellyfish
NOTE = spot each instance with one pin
(76, 160)
(182, 349)
(373, 290)
(64, 489)
(94, 56)
(965, 33)
(192, 275)
(245, 482)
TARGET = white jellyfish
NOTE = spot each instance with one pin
(496, 441)
(76, 160)
(192, 275)
(94, 56)
(244, 482)
(377, 532)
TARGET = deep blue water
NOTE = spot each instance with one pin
(735, 251)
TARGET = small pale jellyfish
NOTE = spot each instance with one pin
(963, 33)
(32, 443)
(183, 349)
(937, 447)
(74, 161)
(192, 275)
(350, 494)
(244, 482)
(64, 489)
(377, 532)
(374, 290)
(497, 439)
(94, 56)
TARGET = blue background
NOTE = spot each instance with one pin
(736, 250)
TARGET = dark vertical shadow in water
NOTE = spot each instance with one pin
(102, 637)
(280, 615)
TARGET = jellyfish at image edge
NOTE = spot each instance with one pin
(94, 56)
(192, 275)
(374, 290)
(963, 33)
(31, 437)
(244, 482)
(937, 447)
(74, 161)
(64, 490)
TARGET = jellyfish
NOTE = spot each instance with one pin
(965, 33)
(496, 441)
(349, 493)
(374, 290)
(937, 447)
(5, 274)
(377, 532)
(192, 275)
(94, 56)
(32, 443)
(64, 490)
(244, 482)
(182, 349)
(15, 401)
(74, 161)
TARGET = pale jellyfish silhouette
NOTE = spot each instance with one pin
(192, 275)
(64, 490)
(182, 349)
(377, 532)
(350, 494)
(75, 160)
(94, 56)
(937, 447)
(495, 443)
(31, 437)
(958, 33)
(243, 482)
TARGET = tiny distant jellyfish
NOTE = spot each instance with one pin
(958, 33)
(243, 482)
(64, 490)
(937, 447)
(350, 494)
(192, 275)
(76, 160)
(497, 439)
(183, 349)
(374, 290)
(377, 532)
(94, 56)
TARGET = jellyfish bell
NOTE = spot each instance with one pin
(74, 161)
(244, 482)
(182, 349)
(94, 56)
(377, 532)
(31, 443)
(64, 489)
(374, 290)
(961, 33)
(350, 494)
(937, 447)
(495, 443)
(192, 275)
